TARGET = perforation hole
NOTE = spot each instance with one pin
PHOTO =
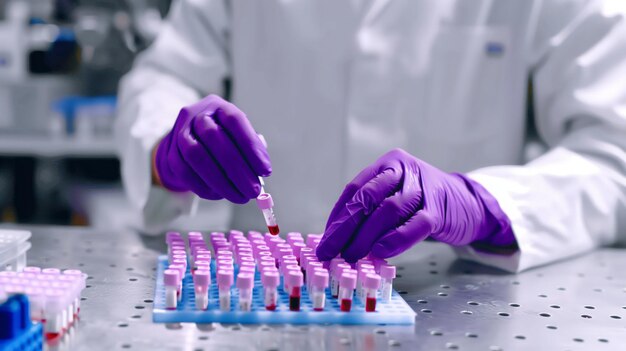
(436, 333)
(422, 301)
(553, 327)
(452, 346)
(473, 303)
(503, 314)
(603, 340)
(590, 307)
(555, 306)
(544, 314)
(466, 312)
(442, 294)
(616, 317)
(514, 304)
(471, 335)
(586, 316)
(520, 337)
(425, 310)
(578, 340)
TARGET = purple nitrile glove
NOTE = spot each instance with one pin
(400, 200)
(213, 151)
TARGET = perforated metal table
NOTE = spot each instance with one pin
(578, 304)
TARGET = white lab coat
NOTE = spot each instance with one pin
(333, 85)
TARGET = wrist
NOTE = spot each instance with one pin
(156, 179)
(495, 229)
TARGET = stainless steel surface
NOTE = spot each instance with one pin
(578, 304)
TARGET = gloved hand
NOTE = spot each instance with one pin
(400, 200)
(213, 151)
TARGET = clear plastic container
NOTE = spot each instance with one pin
(13, 247)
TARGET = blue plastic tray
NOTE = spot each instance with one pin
(30, 340)
(396, 311)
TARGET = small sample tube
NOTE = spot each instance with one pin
(359, 281)
(319, 283)
(295, 280)
(387, 273)
(170, 280)
(265, 203)
(201, 283)
(53, 312)
(371, 284)
(336, 275)
(347, 283)
(245, 283)
(270, 281)
(224, 282)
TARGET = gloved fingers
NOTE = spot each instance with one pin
(240, 130)
(392, 212)
(202, 174)
(227, 156)
(338, 235)
(398, 240)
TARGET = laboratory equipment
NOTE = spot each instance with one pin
(347, 283)
(265, 203)
(17, 332)
(371, 284)
(13, 247)
(201, 282)
(387, 273)
(245, 302)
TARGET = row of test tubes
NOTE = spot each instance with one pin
(288, 264)
(54, 295)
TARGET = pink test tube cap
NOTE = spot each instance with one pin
(270, 279)
(202, 278)
(202, 265)
(171, 277)
(31, 269)
(180, 268)
(292, 267)
(264, 201)
(371, 281)
(320, 279)
(245, 280)
(388, 272)
(51, 271)
(347, 281)
(294, 278)
(225, 278)
(340, 268)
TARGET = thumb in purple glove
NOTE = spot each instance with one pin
(213, 151)
(401, 200)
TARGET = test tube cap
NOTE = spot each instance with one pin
(245, 280)
(371, 281)
(348, 281)
(294, 278)
(202, 278)
(51, 271)
(320, 279)
(264, 201)
(31, 269)
(388, 272)
(170, 277)
(225, 277)
(270, 279)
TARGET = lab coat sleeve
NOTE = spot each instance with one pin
(573, 198)
(188, 60)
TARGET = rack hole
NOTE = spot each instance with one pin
(471, 335)
(555, 306)
(148, 301)
(603, 340)
(436, 333)
(520, 337)
(585, 316)
(466, 312)
(422, 301)
(590, 307)
(425, 310)
(122, 325)
(444, 286)
(544, 314)
(561, 288)
(442, 294)
(133, 279)
(503, 314)
(514, 304)
(578, 340)
(126, 346)
(616, 317)
(452, 346)
(139, 307)
(473, 303)
(543, 295)
(553, 327)
(136, 316)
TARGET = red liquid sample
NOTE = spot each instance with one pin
(318, 309)
(294, 303)
(370, 304)
(274, 230)
(346, 305)
(271, 307)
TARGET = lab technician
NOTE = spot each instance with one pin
(438, 88)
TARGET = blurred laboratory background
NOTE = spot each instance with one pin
(60, 64)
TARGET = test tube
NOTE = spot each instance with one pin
(265, 203)
(347, 283)
(371, 284)
(360, 278)
(224, 282)
(387, 273)
(319, 282)
(295, 279)
(245, 283)
(201, 283)
(170, 280)
(336, 276)
(270, 280)
(53, 312)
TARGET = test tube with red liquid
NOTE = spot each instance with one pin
(270, 281)
(295, 280)
(347, 283)
(371, 284)
(265, 203)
